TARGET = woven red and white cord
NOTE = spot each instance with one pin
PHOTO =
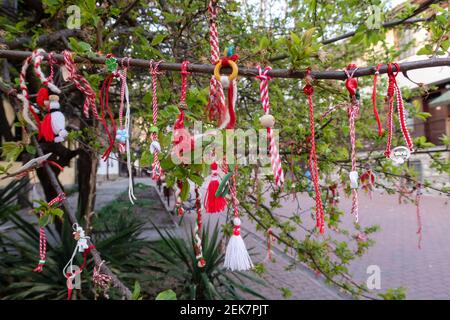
(101, 280)
(48, 82)
(313, 163)
(374, 100)
(157, 171)
(123, 87)
(24, 96)
(216, 102)
(275, 160)
(106, 111)
(125, 103)
(270, 239)
(198, 230)
(394, 90)
(353, 111)
(418, 215)
(43, 238)
(82, 84)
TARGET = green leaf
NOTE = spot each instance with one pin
(185, 190)
(198, 180)
(166, 295)
(56, 212)
(136, 295)
(30, 149)
(264, 43)
(158, 39)
(11, 150)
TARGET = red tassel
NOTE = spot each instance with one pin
(214, 204)
(45, 129)
(41, 97)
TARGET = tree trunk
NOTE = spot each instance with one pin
(87, 182)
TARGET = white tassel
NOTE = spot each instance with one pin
(131, 195)
(236, 256)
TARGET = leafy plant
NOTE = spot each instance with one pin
(120, 244)
(211, 282)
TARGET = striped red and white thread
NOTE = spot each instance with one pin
(353, 113)
(82, 84)
(216, 101)
(157, 172)
(47, 81)
(43, 237)
(275, 160)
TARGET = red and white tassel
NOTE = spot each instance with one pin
(214, 204)
(236, 255)
(268, 122)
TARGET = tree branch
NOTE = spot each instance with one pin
(243, 71)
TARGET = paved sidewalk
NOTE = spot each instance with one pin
(423, 272)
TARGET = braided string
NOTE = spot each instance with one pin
(42, 236)
(353, 111)
(216, 103)
(374, 100)
(82, 84)
(157, 171)
(275, 160)
(197, 230)
(418, 215)
(48, 82)
(313, 163)
(394, 90)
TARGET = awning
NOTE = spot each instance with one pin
(442, 100)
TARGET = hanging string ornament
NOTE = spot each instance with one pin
(419, 192)
(70, 73)
(217, 108)
(42, 235)
(236, 255)
(198, 230)
(268, 121)
(228, 119)
(368, 180)
(101, 281)
(374, 100)
(112, 68)
(35, 59)
(353, 110)
(214, 203)
(53, 126)
(312, 161)
(83, 247)
(334, 199)
(270, 240)
(394, 90)
(181, 141)
(155, 147)
(123, 133)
